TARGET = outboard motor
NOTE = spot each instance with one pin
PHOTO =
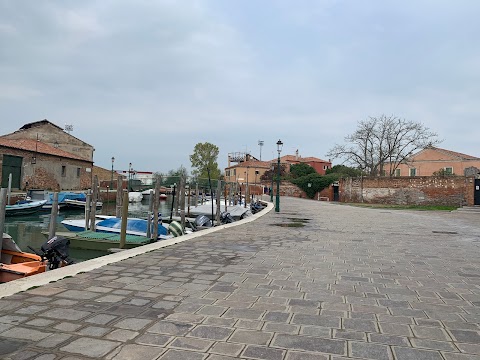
(202, 220)
(226, 218)
(56, 251)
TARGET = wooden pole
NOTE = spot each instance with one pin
(9, 188)
(53, 216)
(87, 209)
(123, 228)
(183, 181)
(150, 212)
(156, 220)
(118, 205)
(93, 205)
(219, 192)
(3, 205)
(196, 195)
(188, 211)
(177, 200)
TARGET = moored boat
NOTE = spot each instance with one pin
(16, 264)
(24, 207)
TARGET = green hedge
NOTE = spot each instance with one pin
(317, 183)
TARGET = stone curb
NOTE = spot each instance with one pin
(26, 283)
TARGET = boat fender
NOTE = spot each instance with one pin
(175, 228)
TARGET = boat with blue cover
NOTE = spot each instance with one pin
(112, 224)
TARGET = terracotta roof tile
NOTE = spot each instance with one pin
(37, 146)
(456, 154)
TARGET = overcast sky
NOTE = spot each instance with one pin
(144, 81)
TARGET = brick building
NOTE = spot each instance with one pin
(42, 155)
(433, 160)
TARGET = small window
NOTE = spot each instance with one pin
(397, 172)
(78, 172)
(448, 170)
(413, 172)
(64, 170)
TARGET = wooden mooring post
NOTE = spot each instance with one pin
(3, 206)
(93, 205)
(156, 201)
(118, 202)
(123, 227)
(53, 216)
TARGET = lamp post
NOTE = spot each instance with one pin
(129, 175)
(279, 149)
(111, 179)
(271, 188)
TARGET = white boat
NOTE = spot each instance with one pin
(135, 196)
(79, 204)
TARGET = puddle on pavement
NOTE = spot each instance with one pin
(295, 224)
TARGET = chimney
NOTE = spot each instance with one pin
(296, 155)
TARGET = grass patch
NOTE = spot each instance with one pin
(406, 207)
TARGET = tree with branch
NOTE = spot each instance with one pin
(380, 144)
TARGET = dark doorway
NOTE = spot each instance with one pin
(476, 196)
(12, 165)
(336, 193)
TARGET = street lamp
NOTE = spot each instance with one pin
(279, 149)
(111, 179)
(129, 175)
(271, 188)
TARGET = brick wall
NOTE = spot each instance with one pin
(450, 190)
(46, 173)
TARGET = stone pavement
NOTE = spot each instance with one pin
(344, 282)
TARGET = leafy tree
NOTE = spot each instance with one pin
(443, 172)
(173, 176)
(301, 169)
(317, 183)
(381, 144)
(344, 171)
(267, 175)
(205, 157)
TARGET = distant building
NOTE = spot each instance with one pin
(41, 155)
(434, 160)
(249, 168)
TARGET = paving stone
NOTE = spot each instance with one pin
(122, 335)
(95, 331)
(211, 332)
(472, 337)
(295, 355)
(182, 355)
(25, 334)
(188, 318)
(369, 351)
(388, 339)
(66, 314)
(37, 322)
(10, 346)
(243, 314)
(229, 349)
(212, 320)
(191, 344)
(316, 331)
(263, 353)
(101, 319)
(135, 351)
(90, 347)
(402, 353)
(211, 310)
(349, 335)
(457, 356)
(359, 325)
(67, 326)
(132, 323)
(469, 348)
(433, 344)
(430, 333)
(154, 340)
(325, 321)
(307, 343)
(170, 328)
(281, 328)
(251, 337)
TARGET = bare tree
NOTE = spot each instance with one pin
(381, 144)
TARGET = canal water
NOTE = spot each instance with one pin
(28, 230)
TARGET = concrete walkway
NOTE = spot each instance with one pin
(348, 282)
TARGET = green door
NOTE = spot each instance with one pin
(12, 165)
